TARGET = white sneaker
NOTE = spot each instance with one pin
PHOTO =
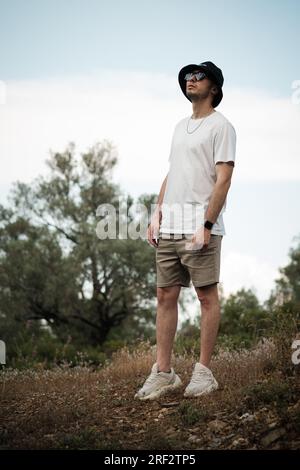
(202, 382)
(157, 384)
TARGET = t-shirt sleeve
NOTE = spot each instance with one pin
(225, 143)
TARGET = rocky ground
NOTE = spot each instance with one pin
(256, 407)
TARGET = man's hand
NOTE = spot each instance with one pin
(207, 234)
(199, 240)
(153, 229)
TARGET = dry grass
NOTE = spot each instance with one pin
(84, 408)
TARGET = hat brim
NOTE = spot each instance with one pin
(182, 82)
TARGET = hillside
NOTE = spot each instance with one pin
(256, 407)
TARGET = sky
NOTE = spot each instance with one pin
(84, 71)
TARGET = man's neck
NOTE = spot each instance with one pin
(201, 109)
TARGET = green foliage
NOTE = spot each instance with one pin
(287, 287)
(82, 440)
(262, 394)
(285, 325)
(53, 266)
(243, 317)
(31, 347)
(191, 414)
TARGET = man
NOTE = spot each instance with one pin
(201, 159)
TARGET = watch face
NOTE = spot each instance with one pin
(208, 224)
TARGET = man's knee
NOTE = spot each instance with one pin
(168, 294)
(208, 294)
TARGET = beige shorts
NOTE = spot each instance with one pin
(176, 265)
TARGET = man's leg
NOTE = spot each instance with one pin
(210, 320)
(166, 324)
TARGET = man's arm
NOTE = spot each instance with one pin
(153, 227)
(161, 196)
(224, 173)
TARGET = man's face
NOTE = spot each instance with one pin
(198, 89)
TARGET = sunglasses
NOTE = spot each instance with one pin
(198, 75)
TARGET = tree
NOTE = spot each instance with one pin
(287, 287)
(243, 316)
(54, 267)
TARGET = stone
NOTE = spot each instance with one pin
(240, 442)
(194, 439)
(247, 417)
(217, 425)
(272, 436)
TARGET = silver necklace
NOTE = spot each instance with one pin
(203, 119)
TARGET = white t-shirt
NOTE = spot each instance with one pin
(192, 172)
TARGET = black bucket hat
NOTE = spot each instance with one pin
(213, 73)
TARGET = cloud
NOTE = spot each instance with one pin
(240, 270)
(268, 138)
(138, 112)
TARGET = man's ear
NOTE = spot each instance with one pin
(214, 90)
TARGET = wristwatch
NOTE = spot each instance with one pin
(208, 224)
